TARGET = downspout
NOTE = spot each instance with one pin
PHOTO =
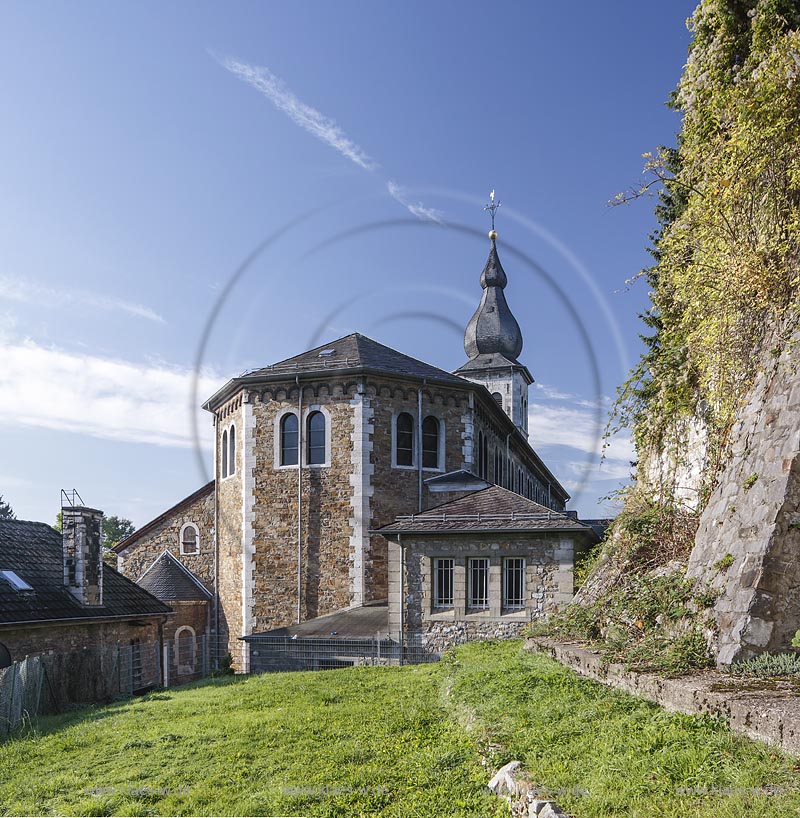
(419, 446)
(216, 548)
(299, 500)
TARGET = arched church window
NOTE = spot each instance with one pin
(316, 439)
(498, 399)
(190, 540)
(430, 443)
(232, 452)
(404, 440)
(485, 457)
(479, 455)
(225, 453)
(289, 429)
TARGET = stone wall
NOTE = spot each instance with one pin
(548, 585)
(230, 511)
(326, 511)
(35, 640)
(143, 552)
(749, 535)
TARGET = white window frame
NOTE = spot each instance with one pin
(504, 599)
(470, 591)
(278, 440)
(185, 669)
(435, 604)
(440, 459)
(185, 553)
(303, 427)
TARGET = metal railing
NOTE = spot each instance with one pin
(274, 653)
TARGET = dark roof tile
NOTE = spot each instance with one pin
(34, 552)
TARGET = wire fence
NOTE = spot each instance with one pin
(275, 653)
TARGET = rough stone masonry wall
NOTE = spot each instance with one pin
(134, 561)
(396, 489)
(548, 585)
(752, 519)
(326, 513)
(229, 536)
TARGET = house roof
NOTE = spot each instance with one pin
(353, 353)
(491, 509)
(170, 580)
(122, 545)
(364, 622)
(34, 552)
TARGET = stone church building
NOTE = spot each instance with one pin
(316, 454)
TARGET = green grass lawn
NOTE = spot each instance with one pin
(390, 742)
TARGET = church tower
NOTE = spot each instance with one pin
(493, 342)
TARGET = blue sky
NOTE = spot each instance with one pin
(149, 148)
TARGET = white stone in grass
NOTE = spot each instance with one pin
(504, 781)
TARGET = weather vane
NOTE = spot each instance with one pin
(492, 208)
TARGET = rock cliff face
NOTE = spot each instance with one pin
(748, 541)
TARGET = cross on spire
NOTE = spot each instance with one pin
(492, 208)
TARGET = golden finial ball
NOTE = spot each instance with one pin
(492, 234)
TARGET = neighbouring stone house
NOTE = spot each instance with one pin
(186, 633)
(316, 453)
(483, 566)
(58, 597)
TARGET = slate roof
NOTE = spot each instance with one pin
(352, 353)
(491, 509)
(364, 622)
(155, 523)
(171, 581)
(33, 551)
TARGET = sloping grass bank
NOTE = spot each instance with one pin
(601, 752)
(392, 742)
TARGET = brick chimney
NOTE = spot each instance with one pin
(83, 554)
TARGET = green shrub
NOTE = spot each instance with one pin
(768, 665)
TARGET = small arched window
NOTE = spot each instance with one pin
(430, 443)
(225, 453)
(232, 450)
(479, 455)
(316, 439)
(498, 399)
(404, 440)
(190, 539)
(289, 430)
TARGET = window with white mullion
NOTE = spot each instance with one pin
(443, 583)
(514, 582)
(479, 583)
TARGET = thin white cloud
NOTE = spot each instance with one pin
(308, 118)
(101, 397)
(29, 292)
(577, 428)
(399, 193)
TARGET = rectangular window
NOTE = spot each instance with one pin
(514, 582)
(479, 583)
(443, 583)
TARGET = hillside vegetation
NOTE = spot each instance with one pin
(412, 741)
(723, 292)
